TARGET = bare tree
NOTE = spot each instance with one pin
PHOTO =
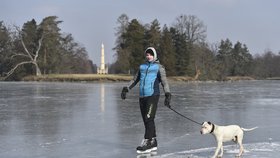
(193, 31)
(192, 27)
(31, 57)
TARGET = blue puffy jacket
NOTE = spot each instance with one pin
(150, 75)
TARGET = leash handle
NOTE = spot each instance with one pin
(185, 116)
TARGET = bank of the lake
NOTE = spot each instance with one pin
(78, 78)
(112, 78)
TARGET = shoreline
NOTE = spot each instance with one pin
(123, 78)
(79, 78)
(116, 78)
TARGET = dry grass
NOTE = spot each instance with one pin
(94, 77)
(78, 77)
(112, 78)
(238, 78)
(274, 78)
(181, 78)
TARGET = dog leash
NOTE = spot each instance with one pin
(185, 116)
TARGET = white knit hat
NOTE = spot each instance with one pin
(152, 51)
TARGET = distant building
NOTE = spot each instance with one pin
(103, 69)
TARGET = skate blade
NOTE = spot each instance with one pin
(147, 151)
(146, 155)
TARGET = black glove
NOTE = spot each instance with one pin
(167, 100)
(124, 91)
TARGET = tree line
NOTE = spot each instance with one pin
(37, 49)
(183, 50)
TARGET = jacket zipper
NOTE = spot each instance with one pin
(145, 78)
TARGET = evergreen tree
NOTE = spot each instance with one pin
(122, 64)
(167, 52)
(242, 60)
(224, 58)
(181, 52)
(50, 57)
(134, 43)
(5, 48)
(152, 38)
(74, 57)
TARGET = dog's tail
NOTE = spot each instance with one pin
(250, 129)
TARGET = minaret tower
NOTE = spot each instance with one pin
(102, 69)
(102, 66)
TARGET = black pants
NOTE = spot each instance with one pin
(148, 107)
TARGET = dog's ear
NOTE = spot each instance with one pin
(209, 123)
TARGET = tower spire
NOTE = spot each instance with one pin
(102, 69)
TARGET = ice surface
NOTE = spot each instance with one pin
(251, 150)
(70, 120)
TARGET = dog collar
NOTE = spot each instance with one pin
(213, 128)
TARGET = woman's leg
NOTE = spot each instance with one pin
(148, 106)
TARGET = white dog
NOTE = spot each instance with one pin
(223, 134)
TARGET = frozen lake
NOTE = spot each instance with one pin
(86, 120)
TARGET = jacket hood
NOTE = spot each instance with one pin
(153, 51)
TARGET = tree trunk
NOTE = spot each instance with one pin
(38, 71)
(197, 73)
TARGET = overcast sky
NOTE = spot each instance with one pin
(255, 23)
